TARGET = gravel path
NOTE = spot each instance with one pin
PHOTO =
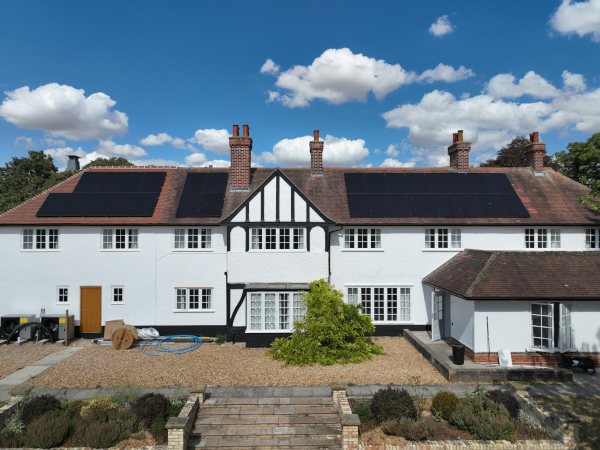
(229, 365)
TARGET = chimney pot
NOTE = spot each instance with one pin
(236, 130)
(316, 135)
(455, 138)
(459, 152)
(460, 135)
(246, 131)
(536, 136)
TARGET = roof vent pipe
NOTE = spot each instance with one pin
(73, 163)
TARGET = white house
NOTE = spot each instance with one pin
(208, 251)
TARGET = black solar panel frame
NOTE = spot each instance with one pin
(144, 204)
(500, 183)
(447, 206)
(211, 205)
(396, 183)
(132, 182)
(381, 205)
(375, 183)
(121, 204)
(358, 205)
(480, 184)
(417, 183)
(424, 205)
(459, 183)
(513, 205)
(490, 205)
(216, 182)
(469, 205)
(53, 205)
(195, 182)
(402, 205)
(189, 205)
(88, 182)
(153, 182)
(355, 183)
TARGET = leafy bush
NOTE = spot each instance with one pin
(100, 434)
(98, 408)
(363, 410)
(220, 339)
(125, 396)
(37, 407)
(412, 430)
(444, 403)
(392, 404)
(47, 431)
(484, 419)
(72, 409)
(158, 430)
(331, 331)
(10, 440)
(13, 425)
(148, 406)
(508, 400)
(178, 400)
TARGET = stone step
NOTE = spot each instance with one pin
(267, 420)
(270, 401)
(266, 443)
(208, 431)
(249, 411)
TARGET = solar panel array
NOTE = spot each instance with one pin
(203, 194)
(107, 194)
(411, 194)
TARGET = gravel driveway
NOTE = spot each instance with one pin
(229, 365)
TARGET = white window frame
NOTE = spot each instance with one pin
(113, 295)
(387, 300)
(289, 237)
(111, 237)
(591, 239)
(566, 334)
(541, 239)
(442, 240)
(274, 311)
(184, 242)
(47, 239)
(196, 299)
(362, 239)
(60, 294)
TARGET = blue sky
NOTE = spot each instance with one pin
(107, 78)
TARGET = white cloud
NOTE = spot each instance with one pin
(26, 143)
(64, 111)
(340, 76)
(270, 67)
(54, 142)
(178, 143)
(110, 148)
(503, 85)
(580, 18)
(390, 162)
(573, 81)
(60, 155)
(156, 162)
(445, 73)
(295, 152)
(195, 159)
(377, 151)
(273, 96)
(392, 151)
(158, 139)
(217, 163)
(213, 140)
(441, 26)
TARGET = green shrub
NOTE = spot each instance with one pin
(100, 434)
(98, 408)
(331, 331)
(508, 400)
(47, 431)
(444, 403)
(363, 410)
(10, 440)
(148, 406)
(484, 419)
(158, 430)
(392, 404)
(37, 407)
(72, 409)
(220, 339)
(420, 430)
(125, 396)
(178, 400)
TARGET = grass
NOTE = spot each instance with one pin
(588, 411)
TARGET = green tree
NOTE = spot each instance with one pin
(109, 162)
(331, 331)
(581, 162)
(23, 178)
(513, 155)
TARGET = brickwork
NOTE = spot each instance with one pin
(459, 156)
(241, 149)
(535, 152)
(316, 158)
(180, 427)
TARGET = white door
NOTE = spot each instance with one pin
(437, 315)
(566, 328)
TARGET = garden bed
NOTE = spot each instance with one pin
(125, 419)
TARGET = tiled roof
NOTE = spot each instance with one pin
(550, 199)
(522, 275)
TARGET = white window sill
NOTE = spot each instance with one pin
(194, 311)
(193, 250)
(268, 331)
(62, 304)
(124, 250)
(442, 250)
(549, 249)
(287, 250)
(363, 249)
(541, 350)
(117, 303)
(385, 322)
(41, 250)
(379, 285)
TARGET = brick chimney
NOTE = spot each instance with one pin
(316, 156)
(459, 152)
(535, 152)
(241, 148)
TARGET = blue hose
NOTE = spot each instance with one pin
(177, 351)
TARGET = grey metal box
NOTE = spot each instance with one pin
(62, 327)
(27, 332)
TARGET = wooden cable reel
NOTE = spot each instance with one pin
(124, 337)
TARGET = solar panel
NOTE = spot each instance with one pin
(381, 205)
(211, 205)
(153, 182)
(120, 205)
(144, 204)
(98, 204)
(376, 183)
(110, 182)
(358, 204)
(89, 181)
(417, 183)
(480, 183)
(195, 183)
(132, 182)
(189, 205)
(513, 205)
(469, 205)
(500, 183)
(396, 183)
(52, 206)
(355, 183)
(424, 205)
(459, 183)
(216, 182)
(402, 204)
(491, 205)
(447, 205)
(75, 205)
(438, 183)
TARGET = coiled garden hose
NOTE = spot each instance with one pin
(176, 351)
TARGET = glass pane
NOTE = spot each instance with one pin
(536, 309)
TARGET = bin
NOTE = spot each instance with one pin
(458, 354)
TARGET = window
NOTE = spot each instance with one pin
(362, 238)
(551, 327)
(120, 239)
(446, 238)
(40, 239)
(590, 238)
(192, 238)
(277, 238)
(538, 238)
(117, 294)
(62, 294)
(275, 311)
(193, 299)
(383, 304)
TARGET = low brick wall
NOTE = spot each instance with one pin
(179, 427)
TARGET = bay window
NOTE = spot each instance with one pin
(275, 311)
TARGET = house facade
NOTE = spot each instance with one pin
(209, 251)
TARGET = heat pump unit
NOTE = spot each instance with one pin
(66, 327)
(8, 324)
(27, 332)
(51, 322)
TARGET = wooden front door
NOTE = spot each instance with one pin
(90, 318)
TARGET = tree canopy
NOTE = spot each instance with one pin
(113, 161)
(23, 178)
(513, 155)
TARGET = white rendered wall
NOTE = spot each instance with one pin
(462, 317)
(285, 201)
(300, 208)
(270, 200)
(240, 318)
(317, 239)
(238, 239)
(586, 326)
(254, 213)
